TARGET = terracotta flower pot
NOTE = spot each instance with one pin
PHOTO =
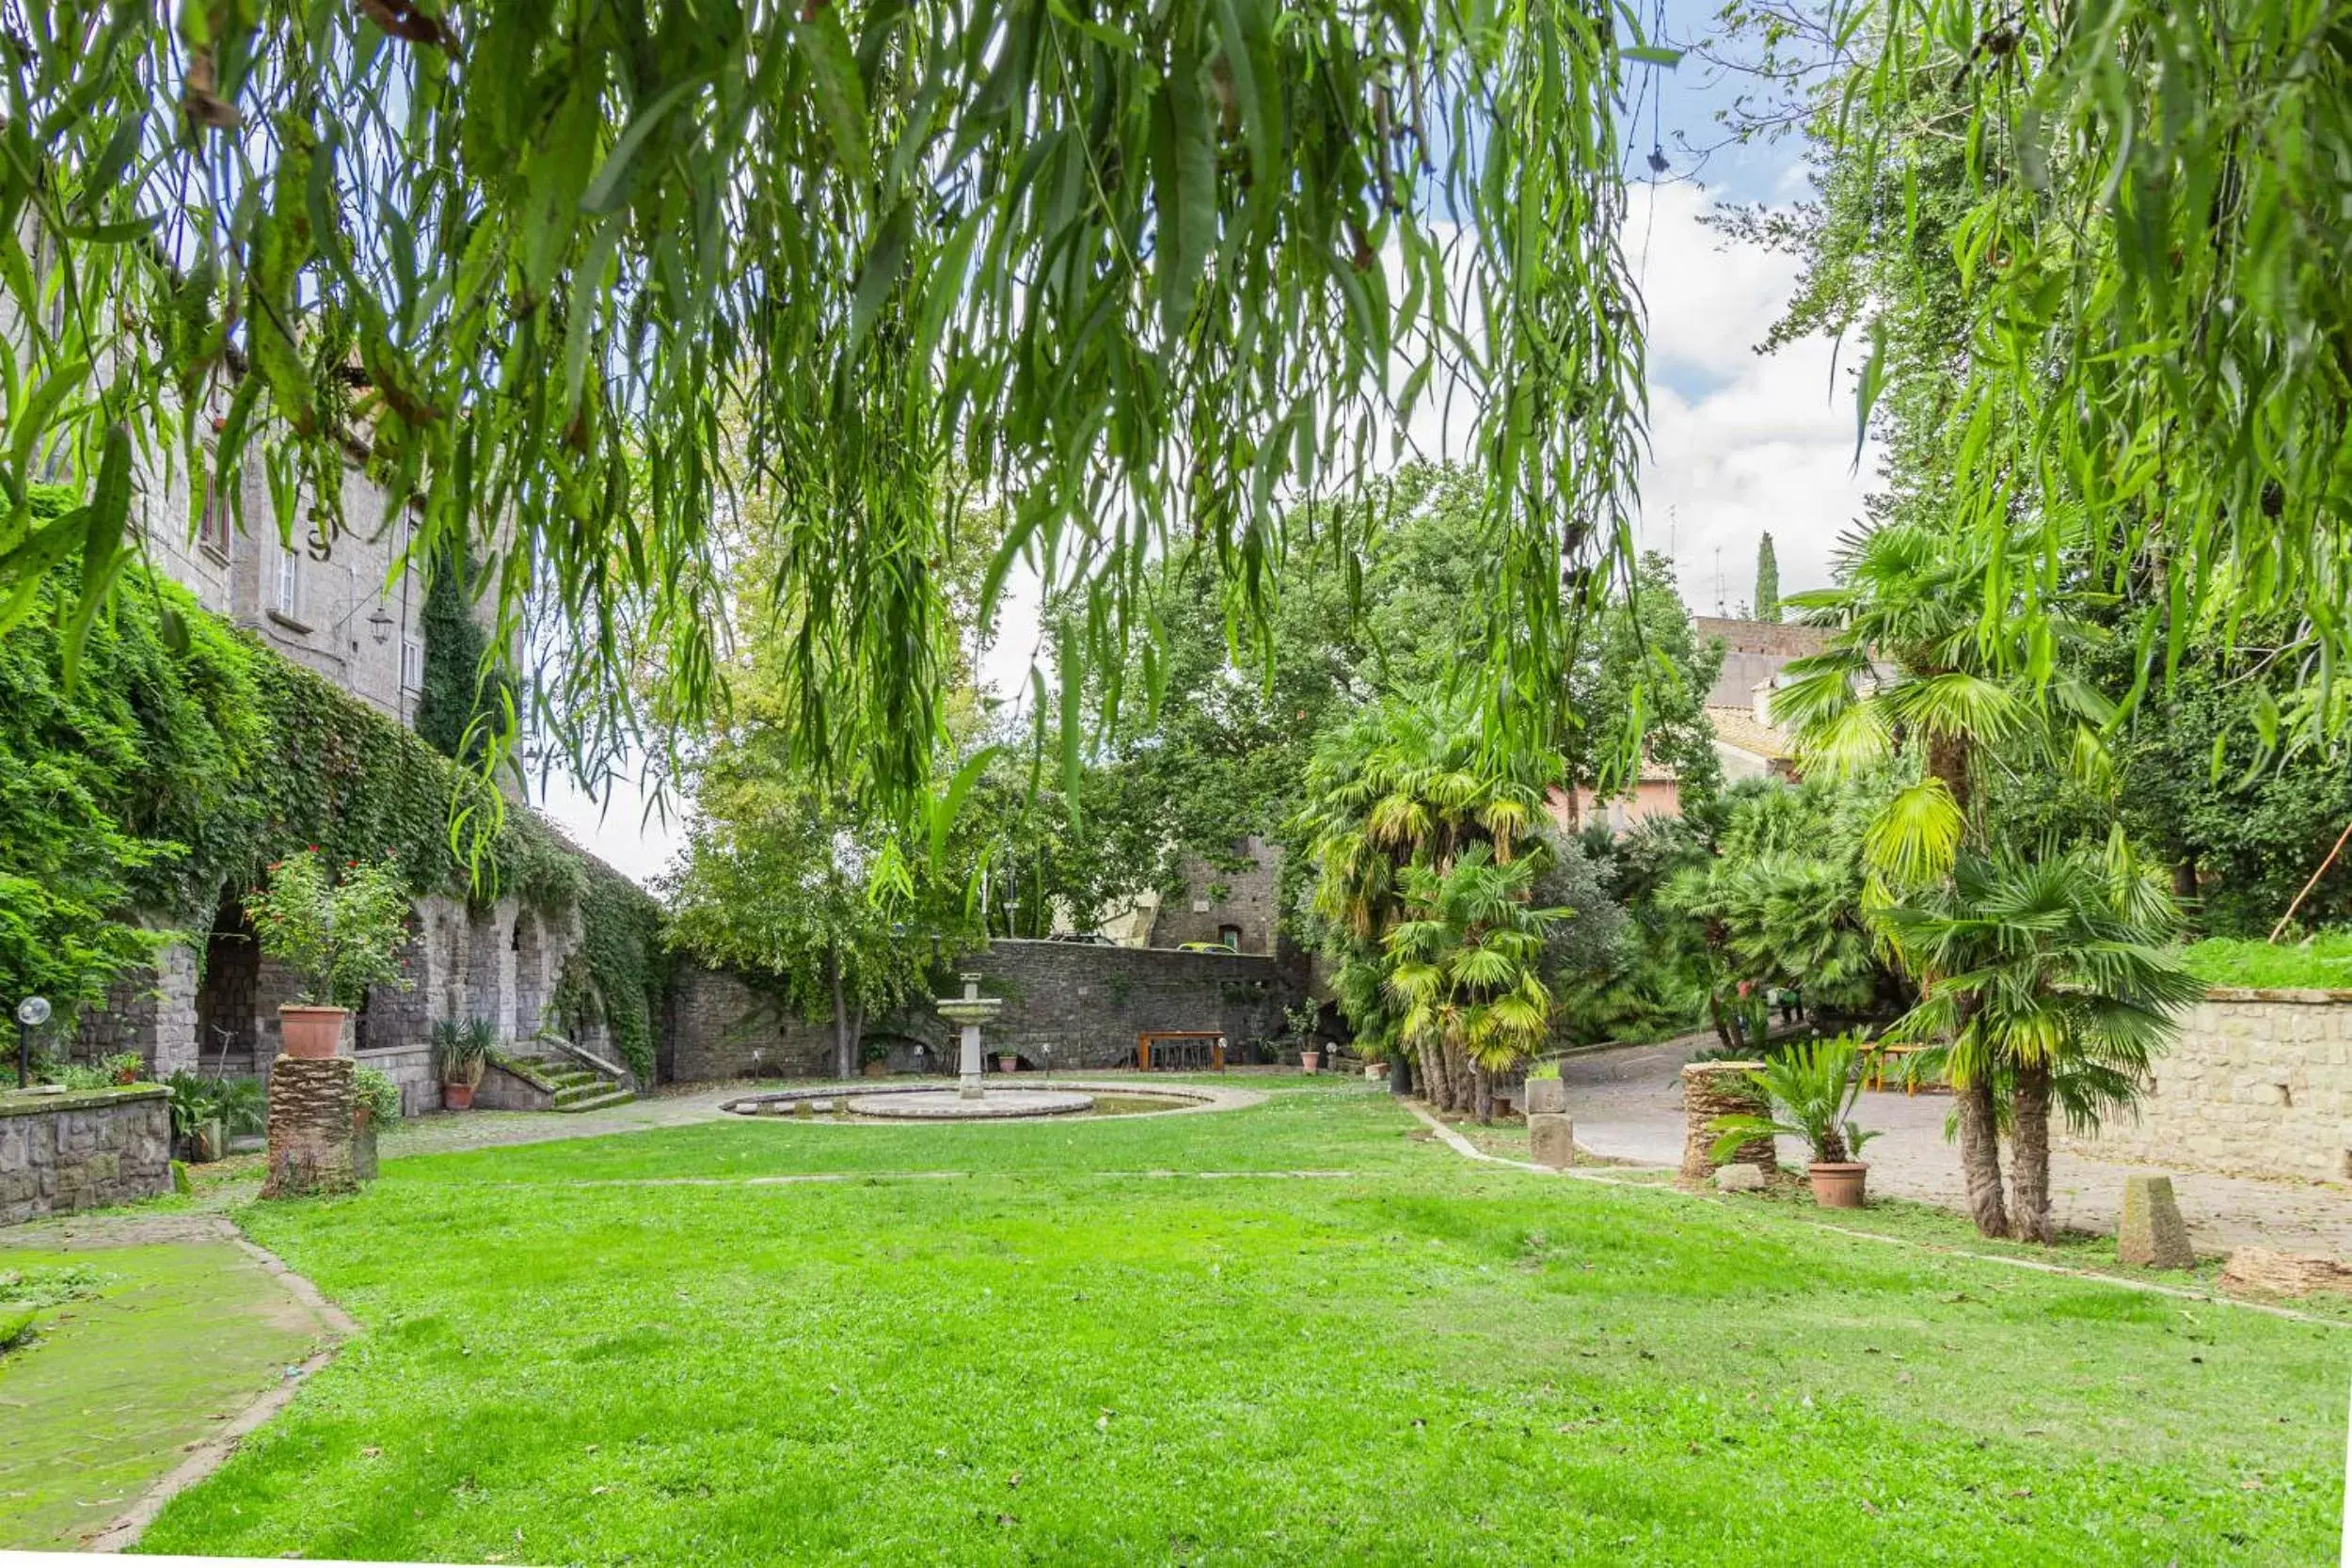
(1838, 1185)
(1009, 1064)
(878, 1069)
(312, 1034)
(1310, 1061)
(456, 1097)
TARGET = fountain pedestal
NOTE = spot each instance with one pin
(971, 1010)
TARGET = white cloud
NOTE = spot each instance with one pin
(1741, 443)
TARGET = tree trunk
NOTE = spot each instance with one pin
(1458, 1077)
(2029, 1155)
(1723, 1027)
(2184, 877)
(1433, 1084)
(1485, 1095)
(1947, 759)
(1980, 1156)
(842, 1066)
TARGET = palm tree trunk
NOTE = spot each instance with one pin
(1485, 1094)
(2030, 1154)
(1458, 1079)
(1432, 1084)
(1980, 1156)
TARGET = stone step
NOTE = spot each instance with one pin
(568, 1095)
(616, 1096)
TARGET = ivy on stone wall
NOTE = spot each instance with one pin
(186, 757)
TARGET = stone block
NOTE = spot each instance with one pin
(1741, 1179)
(2284, 1273)
(1546, 1096)
(1551, 1140)
(2152, 1234)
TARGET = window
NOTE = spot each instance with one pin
(285, 595)
(411, 664)
(212, 526)
(1230, 936)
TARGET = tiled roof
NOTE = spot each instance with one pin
(1738, 727)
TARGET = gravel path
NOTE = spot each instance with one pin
(1627, 1104)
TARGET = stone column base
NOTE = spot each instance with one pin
(1551, 1139)
(310, 1126)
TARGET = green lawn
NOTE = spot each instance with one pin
(172, 1340)
(2321, 962)
(1006, 1344)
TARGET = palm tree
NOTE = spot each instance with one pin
(2049, 974)
(1917, 670)
(1406, 787)
(1464, 965)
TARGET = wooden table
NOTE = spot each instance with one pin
(1145, 1039)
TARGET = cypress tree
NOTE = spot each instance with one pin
(454, 691)
(1767, 582)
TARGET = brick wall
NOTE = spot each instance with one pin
(1082, 1003)
(2259, 1082)
(59, 1153)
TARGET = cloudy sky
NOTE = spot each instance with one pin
(1738, 443)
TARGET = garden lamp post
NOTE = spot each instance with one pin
(31, 1014)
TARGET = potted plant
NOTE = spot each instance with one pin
(461, 1054)
(196, 1118)
(338, 935)
(876, 1058)
(1812, 1088)
(1008, 1061)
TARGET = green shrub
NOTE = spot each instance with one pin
(2322, 962)
(379, 1094)
(16, 1327)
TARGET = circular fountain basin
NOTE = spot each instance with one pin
(951, 1105)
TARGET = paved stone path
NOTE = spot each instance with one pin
(1627, 1104)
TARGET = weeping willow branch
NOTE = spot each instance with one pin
(1150, 272)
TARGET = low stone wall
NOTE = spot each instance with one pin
(59, 1153)
(1075, 1004)
(2258, 1082)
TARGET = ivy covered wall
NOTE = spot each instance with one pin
(185, 757)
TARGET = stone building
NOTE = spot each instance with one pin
(1235, 906)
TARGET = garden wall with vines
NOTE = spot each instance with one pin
(181, 758)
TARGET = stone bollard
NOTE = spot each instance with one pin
(1550, 1135)
(2152, 1234)
(1742, 1179)
(1711, 1089)
(1551, 1140)
(311, 1105)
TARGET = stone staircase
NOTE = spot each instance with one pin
(568, 1084)
(579, 1087)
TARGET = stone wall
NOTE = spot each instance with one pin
(152, 1014)
(1074, 1004)
(1218, 898)
(59, 1153)
(2259, 1082)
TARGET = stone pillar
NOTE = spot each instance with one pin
(2150, 1234)
(310, 1126)
(1711, 1089)
(1550, 1135)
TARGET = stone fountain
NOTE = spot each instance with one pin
(970, 1010)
